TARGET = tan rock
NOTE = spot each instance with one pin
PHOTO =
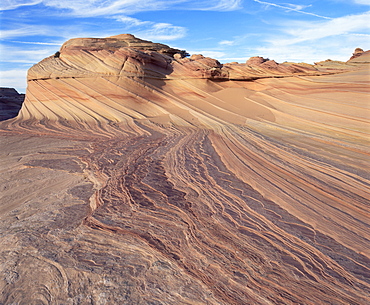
(360, 57)
(133, 177)
(197, 57)
(358, 52)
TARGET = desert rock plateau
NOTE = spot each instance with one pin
(137, 174)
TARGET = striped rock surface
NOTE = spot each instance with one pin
(136, 175)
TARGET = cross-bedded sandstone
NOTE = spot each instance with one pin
(133, 175)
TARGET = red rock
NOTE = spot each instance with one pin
(256, 61)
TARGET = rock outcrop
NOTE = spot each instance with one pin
(113, 71)
(360, 57)
(125, 55)
(357, 53)
(10, 103)
(137, 175)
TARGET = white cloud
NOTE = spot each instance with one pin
(333, 49)
(227, 42)
(297, 7)
(130, 22)
(292, 7)
(151, 30)
(13, 4)
(58, 32)
(362, 35)
(209, 53)
(21, 30)
(38, 43)
(304, 53)
(90, 8)
(308, 31)
(162, 32)
(224, 5)
(310, 42)
(225, 60)
(12, 54)
(365, 2)
(94, 7)
(16, 78)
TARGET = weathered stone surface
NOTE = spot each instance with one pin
(134, 177)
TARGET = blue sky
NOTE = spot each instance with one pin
(228, 30)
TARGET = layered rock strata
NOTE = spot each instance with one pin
(136, 175)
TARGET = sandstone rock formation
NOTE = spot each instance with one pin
(360, 56)
(357, 53)
(10, 103)
(136, 175)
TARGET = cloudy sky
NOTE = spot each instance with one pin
(228, 30)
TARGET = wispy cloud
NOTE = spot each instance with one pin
(292, 7)
(38, 43)
(309, 53)
(14, 78)
(365, 2)
(308, 31)
(316, 41)
(15, 61)
(90, 8)
(162, 31)
(152, 30)
(209, 53)
(54, 32)
(227, 42)
(131, 22)
(223, 5)
(23, 30)
(13, 4)
(22, 55)
(362, 35)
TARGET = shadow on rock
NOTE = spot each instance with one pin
(10, 103)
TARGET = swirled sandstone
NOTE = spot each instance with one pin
(136, 175)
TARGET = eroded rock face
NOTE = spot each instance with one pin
(357, 53)
(133, 176)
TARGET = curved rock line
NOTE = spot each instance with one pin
(136, 175)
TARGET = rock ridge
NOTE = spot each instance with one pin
(126, 55)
